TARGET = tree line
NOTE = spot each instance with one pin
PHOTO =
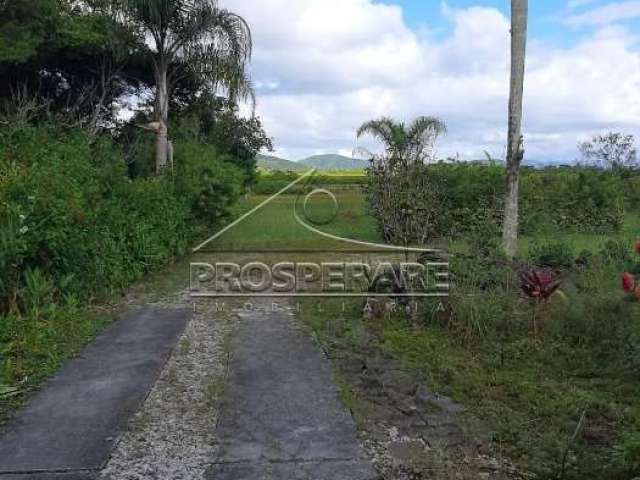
(89, 62)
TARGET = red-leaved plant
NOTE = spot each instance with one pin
(539, 285)
(629, 283)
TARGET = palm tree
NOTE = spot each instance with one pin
(515, 151)
(405, 144)
(190, 38)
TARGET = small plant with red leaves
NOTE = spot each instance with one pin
(539, 285)
(628, 282)
(628, 279)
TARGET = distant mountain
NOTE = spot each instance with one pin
(269, 162)
(334, 162)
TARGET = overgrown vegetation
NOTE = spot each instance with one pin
(527, 388)
(466, 199)
(83, 210)
(528, 384)
(543, 349)
(75, 227)
(531, 387)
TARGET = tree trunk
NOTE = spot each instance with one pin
(515, 151)
(162, 117)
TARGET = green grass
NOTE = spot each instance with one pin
(274, 227)
(528, 397)
(590, 242)
(35, 345)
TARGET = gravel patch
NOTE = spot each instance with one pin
(173, 434)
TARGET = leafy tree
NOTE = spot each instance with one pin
(25, 27)
(515, 151)
(67, 56)
(405, 144)
(404, 201)
(613, 151)
(239, 138)
(216, 121)
(190, 38)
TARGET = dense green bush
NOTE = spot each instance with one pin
(469, 199)
(631, 185)
(552, 253)
(208, 182)
(69, 210)
(572, 199)
(404, 201)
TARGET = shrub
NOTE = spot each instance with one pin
(403, 200)
(468, 200)
(478, 272)
(71, 216)
(209, 183)
(627, 454)
(571, 199)
(75, 226)
(631, 184)
(616, 252)
(553, 254)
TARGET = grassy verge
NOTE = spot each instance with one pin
(528, 396)
(38, 346)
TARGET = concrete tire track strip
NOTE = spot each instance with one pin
(69, 428)
(281, 417)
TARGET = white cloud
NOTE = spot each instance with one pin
(325, 66)
(573, 4)
(606, 14)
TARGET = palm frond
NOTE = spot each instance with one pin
(426, 128)
(214, 44)
(383, 129)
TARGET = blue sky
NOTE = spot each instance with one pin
(545, 16)
(322, 67)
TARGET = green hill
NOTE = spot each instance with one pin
(269, 162)
(334, 162)
(320, 162)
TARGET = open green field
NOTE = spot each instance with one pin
(528, 395)
(274, 226)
